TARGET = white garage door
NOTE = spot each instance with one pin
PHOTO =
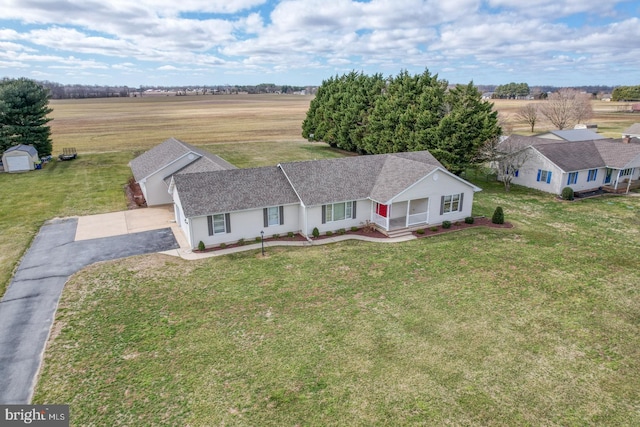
(17, 163)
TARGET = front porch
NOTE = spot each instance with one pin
(405, 215)
(622, 187)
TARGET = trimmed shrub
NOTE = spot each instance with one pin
(276, 236)
(290, 234)
(201, 246)
(315, 232)
(329, 233)
(446, 224)
(342, 231)
(469, 220)
(434, 228)
(420, 231)
(498, 216)
(241, 242)
(258, 239)
(354, 228)
(567, 193)
(223, 245)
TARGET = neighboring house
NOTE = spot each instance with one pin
(393, 191)
(154, 168)
(571, 135)
(632, 131)
(610, 164)
(20, 158)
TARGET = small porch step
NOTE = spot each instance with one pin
(399, 232)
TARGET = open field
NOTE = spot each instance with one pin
(536, 325)
(533, 325)
(611, 117)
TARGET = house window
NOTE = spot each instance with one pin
(273, 216)
(573, 178)
(626, 172)
(338, 211)
(544, 176)
(219, 223)
(452, 203)
(593, 173)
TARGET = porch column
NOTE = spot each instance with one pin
(630, 179)
(615, 187)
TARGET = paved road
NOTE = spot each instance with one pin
(28, 307)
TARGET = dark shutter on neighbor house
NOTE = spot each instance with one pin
(353, 210)
(210, 224)
(460, 204)
(324, 214)
(227, 222)
(281, 215)
(548, 177)
(265, 216)
(539, 173)
(442, 205)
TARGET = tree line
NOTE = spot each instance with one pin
(373, 115)
(626, 93)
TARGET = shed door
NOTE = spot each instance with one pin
(17, 163)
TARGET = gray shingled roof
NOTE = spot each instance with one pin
(581, 155)
(22, 147)
(206, 193)
(634, 129)
(577, 134)
(171, 150)
(379, 177)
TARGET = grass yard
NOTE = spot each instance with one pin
(535, 325)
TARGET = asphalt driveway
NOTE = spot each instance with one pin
(28, 307)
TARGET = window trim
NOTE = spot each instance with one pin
(592, 175)
(446, 206)
(328, 211)
(572, 178)
(226, 223)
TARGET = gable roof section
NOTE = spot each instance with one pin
(22, 147)
(574, 135)
(634, 129)
(168, 152)
(205, 193)
(379, 176)
(581, 155)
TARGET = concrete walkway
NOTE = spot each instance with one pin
(28, 307)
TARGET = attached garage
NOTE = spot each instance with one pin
(20, 158)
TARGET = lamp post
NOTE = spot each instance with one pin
(262, 241)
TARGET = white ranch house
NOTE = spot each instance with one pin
(392, 191)
(611, 165)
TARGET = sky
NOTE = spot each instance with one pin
(302, 42)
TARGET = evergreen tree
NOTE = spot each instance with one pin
(372, 115)
(24, 106)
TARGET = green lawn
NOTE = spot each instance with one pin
(535, 325)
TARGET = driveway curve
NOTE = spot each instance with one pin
(28, 308)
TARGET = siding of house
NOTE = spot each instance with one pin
(314, 218)
(528, 173)
(433, 189)
(155, 189)
(244, 225)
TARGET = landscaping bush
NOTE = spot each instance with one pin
(201, 246)
(446, 224)
(276, 236)
(329, 233)
(342, 231)
(567, 193)
(469, 220)
(434, 228)
(420, 231)
(223, 245)
(290, 234)
(241, 242)
(315, 232)
(354, 228)
(258, 239)
(498, 216)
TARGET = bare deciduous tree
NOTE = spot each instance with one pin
(507, 157)
(528, 114)
(566, 107)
